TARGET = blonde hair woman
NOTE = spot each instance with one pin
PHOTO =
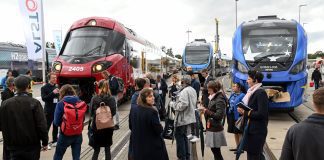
(103, 137)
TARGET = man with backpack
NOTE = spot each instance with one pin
(115, 86)
(23, 124)
(69, 115)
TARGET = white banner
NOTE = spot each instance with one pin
(31, 11)
(57, 36)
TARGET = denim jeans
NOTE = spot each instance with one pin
(316, 84)
(116, 117)
(182, 143)
(64, 142)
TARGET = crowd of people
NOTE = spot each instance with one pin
(65, 112)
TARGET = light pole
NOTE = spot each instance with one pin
(188, 32)
(236, 14)
(302, 5)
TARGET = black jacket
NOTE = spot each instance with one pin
(102, 138)
(216, 112)
(113, 85)
(48, 97)
(146, 140)
(22, 122)
(305, 140)
(6, 94)
(257, 132)
(163, 87)
(316, 75)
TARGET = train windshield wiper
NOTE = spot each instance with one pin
(92, 51)
(267, 55)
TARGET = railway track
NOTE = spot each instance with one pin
(120, 139)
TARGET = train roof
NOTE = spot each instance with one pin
(269, 22)
(112, 24)
(198, 43)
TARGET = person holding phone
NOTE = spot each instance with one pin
(256, 98)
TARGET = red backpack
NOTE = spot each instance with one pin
(73, 117)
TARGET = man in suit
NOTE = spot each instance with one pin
(204, 97)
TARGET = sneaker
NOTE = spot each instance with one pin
(195, 139)
(53, 144)
(190, 136)
(49, 147)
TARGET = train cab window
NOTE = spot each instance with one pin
(93, 41)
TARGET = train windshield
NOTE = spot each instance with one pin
(269, 45)
(197, 54)
(93, 41)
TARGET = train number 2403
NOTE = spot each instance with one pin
(76, 69)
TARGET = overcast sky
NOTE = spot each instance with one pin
(165, 22)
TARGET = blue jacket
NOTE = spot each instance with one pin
(134, 98)
(233, 101)
(59, 110)
(3, 82)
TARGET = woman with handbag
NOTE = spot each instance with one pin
(232, 114)
(256, 98)
(144, 122)
(214, 113)
(101, 137)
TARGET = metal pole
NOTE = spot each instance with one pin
(43, 43)
(302, 5)
(236, 14)
(188, 32)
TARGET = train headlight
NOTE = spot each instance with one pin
(241, 67)
(100, 66)
(300, 66)
(97, 68)
(57, 66)
(92, 22)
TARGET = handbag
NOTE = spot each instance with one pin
(239, 124)
(311, 84)
(168, 130)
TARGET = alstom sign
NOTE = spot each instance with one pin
(31, 11)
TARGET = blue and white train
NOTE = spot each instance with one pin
(277, 48)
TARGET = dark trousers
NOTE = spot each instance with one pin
(316, 83)
(182, 143)
(252, 156)
(28, 153)
(64, 142)
(49, 119)
(97, 151)
(162, 111)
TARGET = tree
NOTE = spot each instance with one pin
(178, 56)
(170, 52)
(163, 49)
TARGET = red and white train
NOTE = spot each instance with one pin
(95, 44)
